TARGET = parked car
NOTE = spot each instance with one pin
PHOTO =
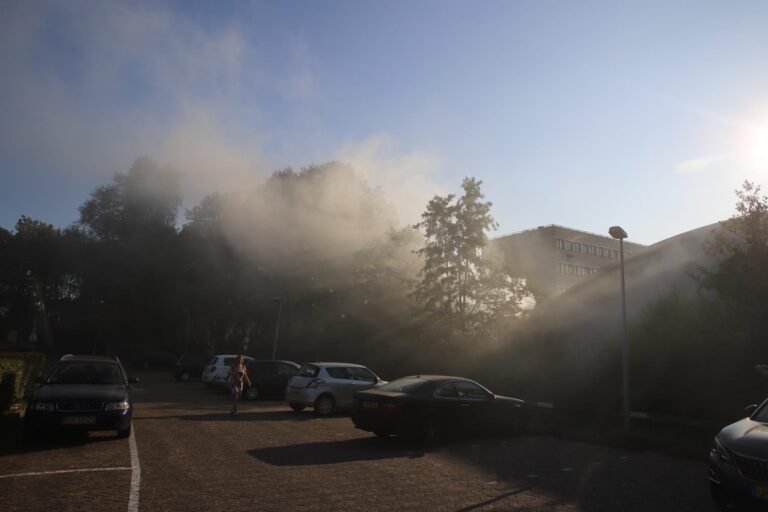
(738, 461)
(429, 407)
(215, 374)
(269, 378)
(190, 366)
(136, 356)
(328, 387)
(82, 392)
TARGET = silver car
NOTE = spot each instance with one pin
(328, 386)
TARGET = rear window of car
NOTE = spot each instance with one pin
(229, 361)
(309, 370)
(404, 385)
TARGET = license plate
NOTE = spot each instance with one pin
(760, 492)
(371, 405)
(79, 420)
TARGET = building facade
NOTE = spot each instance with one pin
(554, 258)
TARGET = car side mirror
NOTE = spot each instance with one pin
(133, 380)
(750, 409)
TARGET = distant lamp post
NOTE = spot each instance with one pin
(277, 325)
(618, 233)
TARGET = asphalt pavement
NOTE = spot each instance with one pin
(188, 454)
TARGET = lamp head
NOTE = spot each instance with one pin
(617, 232)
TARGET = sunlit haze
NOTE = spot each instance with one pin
(585, 114)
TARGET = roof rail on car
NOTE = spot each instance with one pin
(67, 356)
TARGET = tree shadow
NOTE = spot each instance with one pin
(335, 452)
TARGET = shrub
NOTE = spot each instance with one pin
(27, 367)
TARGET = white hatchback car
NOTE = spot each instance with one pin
(215, 374)
(329, 386)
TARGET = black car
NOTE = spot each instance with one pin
(430, 407)
(82, 393)
(190, 366)
(269, 378)
(738, 461)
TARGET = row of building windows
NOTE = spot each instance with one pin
(577, 270)
(582, 248)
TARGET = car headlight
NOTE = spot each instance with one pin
(117, 406)
(43, 406)
(719, 450)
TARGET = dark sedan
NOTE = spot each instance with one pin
(738, 461)
(82, 393)
(269, 378)
(430, 407)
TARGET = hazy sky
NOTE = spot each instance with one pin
(587, 114)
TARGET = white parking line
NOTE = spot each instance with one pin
(133, 495)
(61, 471)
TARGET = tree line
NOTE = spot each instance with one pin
(318, 244)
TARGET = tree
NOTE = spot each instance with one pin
(740, 249)
(456, 283)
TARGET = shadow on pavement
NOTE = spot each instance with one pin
(334, 452)
(53, 441)
(245, 416)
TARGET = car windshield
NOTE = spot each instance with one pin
(86, 373)
(407, 385)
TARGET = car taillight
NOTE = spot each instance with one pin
(314, 383)
(392, 408)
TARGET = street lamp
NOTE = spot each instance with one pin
(277, 325)
(618, 233)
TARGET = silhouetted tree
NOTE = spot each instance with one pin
(740, 248)
(457, 285)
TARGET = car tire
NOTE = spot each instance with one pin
(325, 405)
(123, 433)
(296, 407)
(251, 393)
(430, 432)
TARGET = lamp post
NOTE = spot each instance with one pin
(618, 233)
(277, 325)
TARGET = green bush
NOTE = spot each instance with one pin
(27, 367)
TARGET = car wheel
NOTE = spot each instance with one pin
(430, 433)
(325, 405)
(252, 393)
(296, 407)
(123, 433)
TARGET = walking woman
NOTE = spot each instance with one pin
(237, 375)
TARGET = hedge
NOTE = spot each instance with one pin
(27, 367)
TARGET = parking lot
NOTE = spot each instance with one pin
(187, 453)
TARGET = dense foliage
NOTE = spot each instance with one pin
(318, 246)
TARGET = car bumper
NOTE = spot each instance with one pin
(303, 396)
(727, 479)
(53, 421)
(381, 423)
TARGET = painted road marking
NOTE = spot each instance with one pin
(133, 495)
(62, 471)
